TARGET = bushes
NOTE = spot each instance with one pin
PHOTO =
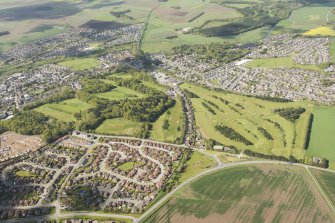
(222, 53)
(95, 86)
(265, 133)
(190, 94)
(232, 134)
(208, 108)
(34, 123)
(291, 158)
(291, 114)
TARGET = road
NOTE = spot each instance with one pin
(220, 166)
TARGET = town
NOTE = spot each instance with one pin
(117, 174)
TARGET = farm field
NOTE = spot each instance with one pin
(304, 19)
(248, 117)
(199, 162)
(167, 44)
(281, 62)
(81, 63)
(119, 126)
(320, 31)
(120, 93)
(174, 131)
(65, 110)
(327, 182)
(322, 140)
(257, 193)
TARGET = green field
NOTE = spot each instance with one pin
(23, 173)
(81, 63)
(119, 126)
(120, 93)
(126, 166)
(174, 116)
(65, 110)
(198, 163)
(281, 62)
(259, 193)
(246, 115)
(322, 141)
(327, 182)
(304, 19)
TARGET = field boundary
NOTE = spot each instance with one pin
(330, 204)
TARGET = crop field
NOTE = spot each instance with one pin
(322, 140)
(258, 193)
(198, 163)
(250, 118)
(174, 117)
(81, 63)
(119, 126)
(65, 110)
(321, 31)
(120, 93)
(327, 182)
(304, 19)
(281, 62)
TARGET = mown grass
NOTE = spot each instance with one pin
(120, 93)
(23, 173)
(126, 166)
(198, 163)
(245, 114)
(322, 140)
(120, 126)
(281, 62)
(81, 63)
(65, 110)
(174, 116)
(259, 193)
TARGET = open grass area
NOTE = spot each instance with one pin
(304, 19)
(174, 118)
(120, 93)
(246, 115)
(281, 62)
(120, 126)
(321, 31)
(81, 63)
(126, 166)
(322, 140)
(65, 110)
(23, 173)
(198, 163)
(259, 193)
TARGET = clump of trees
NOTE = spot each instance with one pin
(256, 15)
(190, 94)
(64, 94)
(291, 158)
(208, 108)
(222, 53)
(95, 86)
(265, 133)
(291, 114)
(34, 123)
(232, 134)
